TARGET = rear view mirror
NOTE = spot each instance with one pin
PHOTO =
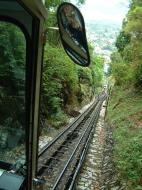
(73, 34)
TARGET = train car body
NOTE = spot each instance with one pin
(29, 17)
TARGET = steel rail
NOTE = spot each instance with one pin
(68, 128)
(82, 157)
(87, 131)
(78, 119)
(70, 166)
(55, 151)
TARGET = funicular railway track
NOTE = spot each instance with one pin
(60, 161)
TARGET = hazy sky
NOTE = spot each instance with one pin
(111, 10)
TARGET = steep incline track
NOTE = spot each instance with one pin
(59, 162)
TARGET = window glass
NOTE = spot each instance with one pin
(12, 93)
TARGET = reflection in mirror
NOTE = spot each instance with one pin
(72, 24)
(12, 93)
(72, 31)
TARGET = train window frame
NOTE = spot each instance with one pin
(7, 19)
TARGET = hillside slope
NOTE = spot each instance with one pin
(125, 117)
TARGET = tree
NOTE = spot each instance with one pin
(55, 3)
(129, 46)
(122, 41)
(12, 74)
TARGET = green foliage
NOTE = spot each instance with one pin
(124, 115)
(12, 53)
(133, 26)
(12, 72)
(55, 3)
(135, 3)
(60, 82)
(125, 106)
(129, 67)
(97, 68)
(86, 91)
(66, 85)
(85, 76)
(122, 72)
(122, 40)
(128, 154)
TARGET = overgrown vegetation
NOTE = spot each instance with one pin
(66, 86)
(12, 91)
(12, 74)
(125, 106)
(126, 62)
(124, 115)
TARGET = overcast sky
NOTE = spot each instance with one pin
(110, 10)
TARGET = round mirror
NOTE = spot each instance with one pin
(72, 32)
